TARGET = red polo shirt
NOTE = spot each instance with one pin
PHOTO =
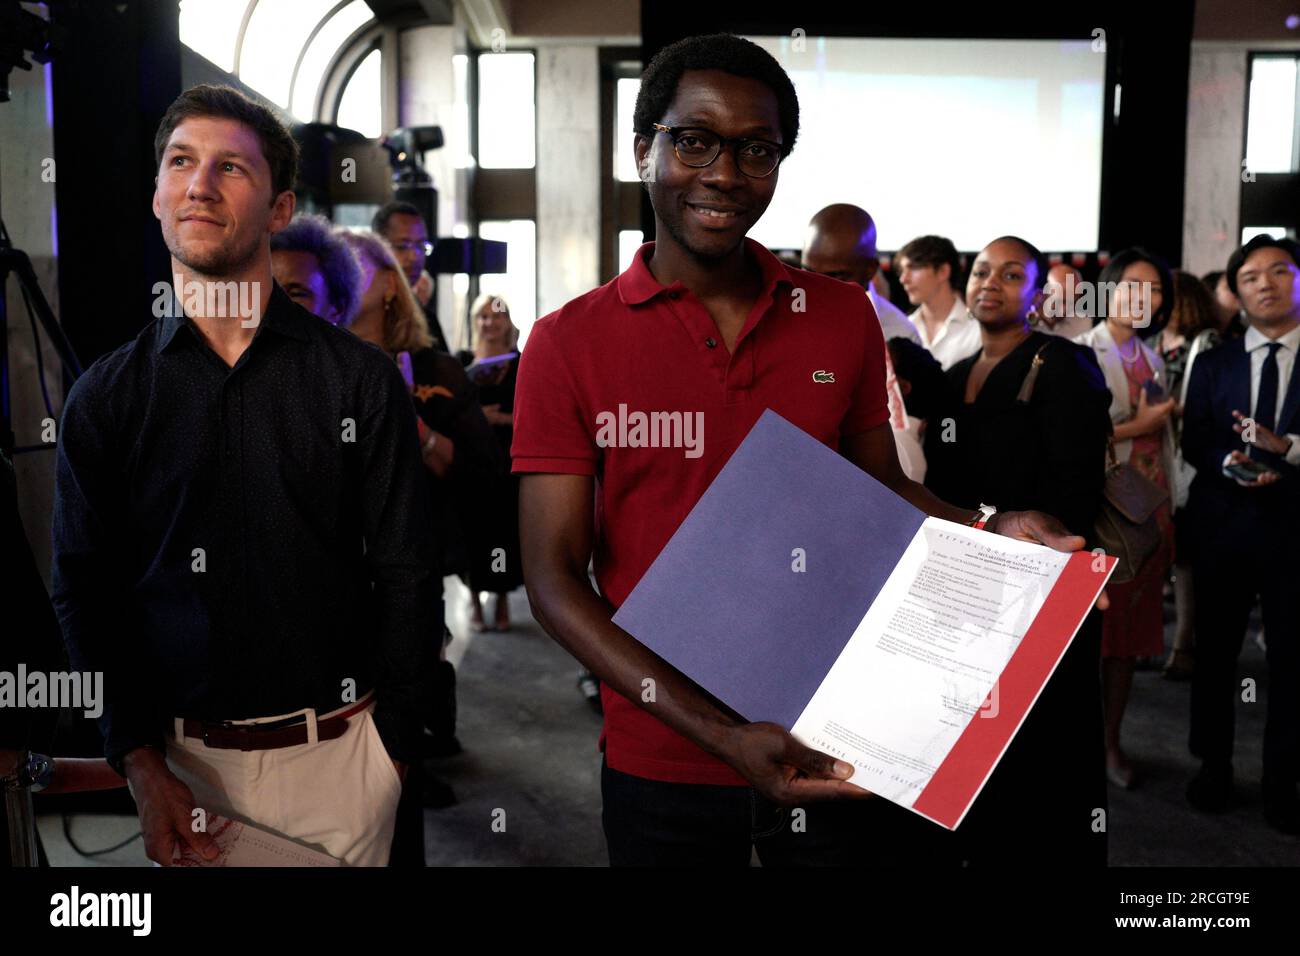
(811, 349)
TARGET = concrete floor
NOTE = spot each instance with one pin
(531, 764)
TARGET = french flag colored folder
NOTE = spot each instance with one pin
(800, 590)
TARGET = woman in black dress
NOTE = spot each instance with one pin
(459, 453)
(495, 563)
(1029, 431)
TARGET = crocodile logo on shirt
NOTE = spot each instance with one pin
(823, 376)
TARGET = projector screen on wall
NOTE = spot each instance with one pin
(969, 139)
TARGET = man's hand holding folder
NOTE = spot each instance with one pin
(766, 662)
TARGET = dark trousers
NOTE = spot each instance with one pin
(408, 828)
(1226, 587)
(652, 823)
(1045, 803)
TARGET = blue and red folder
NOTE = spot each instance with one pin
(721, 605)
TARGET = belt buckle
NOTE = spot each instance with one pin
(220, 725)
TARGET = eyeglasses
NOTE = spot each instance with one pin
(426, 247)
(698, 147)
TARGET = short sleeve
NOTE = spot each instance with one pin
(553, 433)
(868, 406)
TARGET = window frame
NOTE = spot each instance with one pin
(621, 204)
(1266, 197)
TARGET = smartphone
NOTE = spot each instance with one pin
(1155, 392)
(1247, 470)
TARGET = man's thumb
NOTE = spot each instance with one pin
(817, 763)
(200, 841)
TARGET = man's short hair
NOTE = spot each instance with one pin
(207, 99)
(934, 251)
(1239, 257)
(717, 51)
(386, 212)
(338, 263)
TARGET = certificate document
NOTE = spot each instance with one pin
(240, 844)
(802, 591)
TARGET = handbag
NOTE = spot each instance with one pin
(1126, 526)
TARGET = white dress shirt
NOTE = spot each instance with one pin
(958, 338)
(1068, 327)
(911, 454)
(1256, 343)
(893, 321)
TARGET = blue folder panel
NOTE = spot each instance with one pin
(724, 603)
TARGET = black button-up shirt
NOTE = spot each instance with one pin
(246, 541)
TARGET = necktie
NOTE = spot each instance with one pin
(1266, 403)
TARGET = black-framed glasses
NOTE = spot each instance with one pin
(697, 146)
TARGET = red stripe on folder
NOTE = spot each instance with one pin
(961, 776)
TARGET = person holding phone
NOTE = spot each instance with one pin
(1241, 431)
(1140, 296)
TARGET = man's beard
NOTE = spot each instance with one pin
(214, 262)
(674, 227)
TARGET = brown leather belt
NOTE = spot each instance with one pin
(290, 732)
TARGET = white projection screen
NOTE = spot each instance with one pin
(969, 139)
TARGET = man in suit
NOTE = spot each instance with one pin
(1243, 406)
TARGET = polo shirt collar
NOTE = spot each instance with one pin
(283, 317)
(637, 283)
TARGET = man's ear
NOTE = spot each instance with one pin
(870, 268)
(944, 272)
(155, 204)
(644, 161)
(282, 208)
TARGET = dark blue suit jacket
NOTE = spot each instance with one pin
(1226, 517)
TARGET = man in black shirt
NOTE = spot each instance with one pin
(241, 529)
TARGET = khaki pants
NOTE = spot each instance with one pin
(339, 796)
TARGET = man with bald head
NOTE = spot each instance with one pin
(1061, 313)
(842, 244)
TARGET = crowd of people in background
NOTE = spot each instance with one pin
(1116, 380)
(1146, 411)
(1006, 382)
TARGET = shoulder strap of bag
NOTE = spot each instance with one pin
(1031, 377)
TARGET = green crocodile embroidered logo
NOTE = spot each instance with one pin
(823, 376)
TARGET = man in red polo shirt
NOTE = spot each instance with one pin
(632, 397)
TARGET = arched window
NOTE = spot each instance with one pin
(292, 52)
